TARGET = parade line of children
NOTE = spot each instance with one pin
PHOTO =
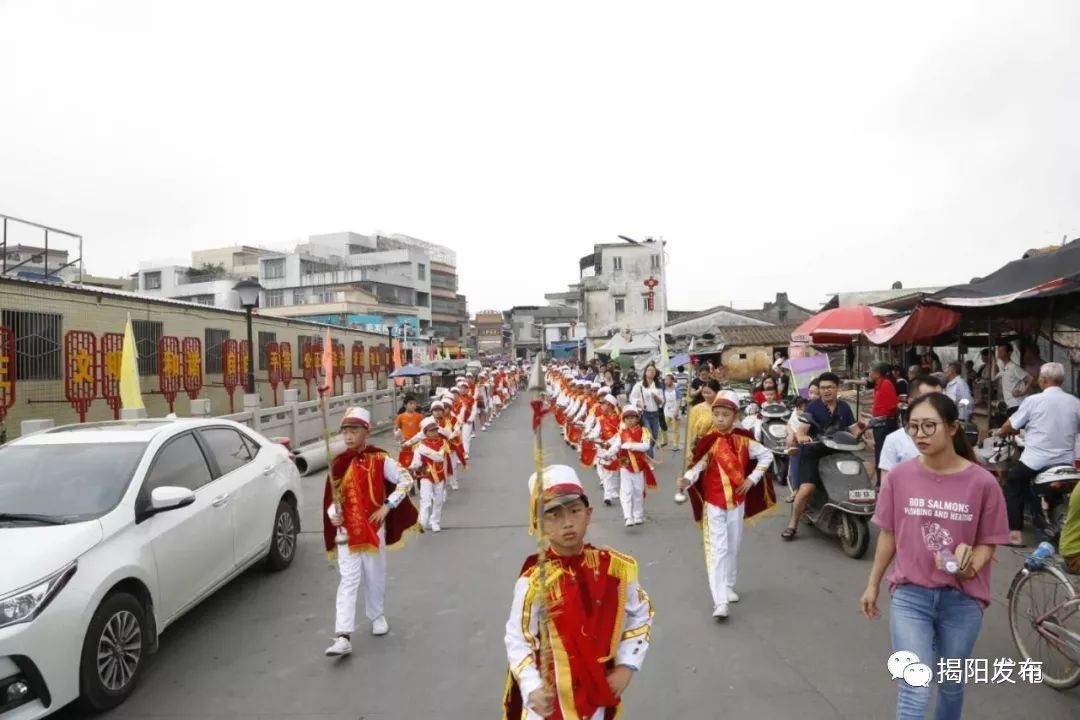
(366, 499)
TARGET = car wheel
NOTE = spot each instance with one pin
(283, 541)
(113, 653)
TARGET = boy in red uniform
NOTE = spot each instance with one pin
(366, 510)
(726, 488)
(431, 463)
(606, 433)
(636, 472)
(597, 618)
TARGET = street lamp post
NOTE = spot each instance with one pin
(249, 290)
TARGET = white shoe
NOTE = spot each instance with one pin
(341, 646)
(629, 522)
(640, 521)
(720, 611)
(732, 596)
(380, 626)
(435, 528)
(454, 486)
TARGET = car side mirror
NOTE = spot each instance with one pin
(167, 498)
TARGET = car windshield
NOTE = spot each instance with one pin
(65, 483)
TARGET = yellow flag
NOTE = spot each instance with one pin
(130, 395)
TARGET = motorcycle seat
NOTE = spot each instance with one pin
(1058, 473)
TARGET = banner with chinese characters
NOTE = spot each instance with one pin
(312, 362)
(230, 369)
(80, 380)
(245, 366)
(7, 371)
(170, 377)
(192, 348)
(373, 361)
(358, 359)
(339, 363)
(273, 367)
(285, 353)
(110, 351)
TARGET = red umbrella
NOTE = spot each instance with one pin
(838, 326)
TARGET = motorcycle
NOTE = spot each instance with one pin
(843, 504)
(1052, 487)
(772, 433)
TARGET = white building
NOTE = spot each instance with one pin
(615, 294)
(178, 282)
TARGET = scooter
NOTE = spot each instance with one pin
(1052, 487)
(842, 506)
(772, 433)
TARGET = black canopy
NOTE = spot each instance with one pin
(1039, 276)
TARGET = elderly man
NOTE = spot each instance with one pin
(956, 387)
(1051, 421)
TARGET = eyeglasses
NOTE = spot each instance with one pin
(928, 427)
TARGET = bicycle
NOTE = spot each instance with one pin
(1044, 617)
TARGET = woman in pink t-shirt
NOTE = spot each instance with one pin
(940, 517)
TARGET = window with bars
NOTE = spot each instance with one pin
(265, 338)
(38, 349)
(147, 333)
(616, 262)
(152, 280)
(645, 303)
(654, 262)
(274, 298)
(620, 306)
(214, 340)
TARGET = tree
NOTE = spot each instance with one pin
(210, 271)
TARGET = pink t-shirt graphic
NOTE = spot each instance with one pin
(928, 512)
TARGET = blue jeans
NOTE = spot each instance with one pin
(652, 422)
(933, 624)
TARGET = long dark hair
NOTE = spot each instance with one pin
(645, 376)
(949, 413)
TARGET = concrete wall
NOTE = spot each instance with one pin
(102, 312)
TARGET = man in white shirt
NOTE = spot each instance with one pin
(1015, 381)
(957, 389)
(1051, 421)
(898, 446)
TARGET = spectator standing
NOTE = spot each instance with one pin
(1015, 381)
(957, 389)
(886, 403)
(648, 396)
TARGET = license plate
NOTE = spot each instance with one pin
(862, 496)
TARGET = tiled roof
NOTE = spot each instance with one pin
(746, 335)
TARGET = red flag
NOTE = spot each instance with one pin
(327, 364)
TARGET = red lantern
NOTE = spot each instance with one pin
(357, 364)
(7, 370)
(273, 361)
(230, 369)
(308, 365)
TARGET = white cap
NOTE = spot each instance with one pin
(614, 401)
(561, 486)
(428, 422)
(437, 404)
(631, 410)
(356, 417)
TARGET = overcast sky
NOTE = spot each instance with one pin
(810, 147)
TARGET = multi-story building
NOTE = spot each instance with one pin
(536, 328)
(490, 337)
(616, 298)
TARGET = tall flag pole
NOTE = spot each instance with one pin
(536, 384)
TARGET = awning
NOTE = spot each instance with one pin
(923, 324)
(1043, 275)
(838, 326)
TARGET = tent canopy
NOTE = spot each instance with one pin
(920, 327)
(838, 326)
(639, 343)
(1041, 275)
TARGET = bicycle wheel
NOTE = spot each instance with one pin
(1033, 595)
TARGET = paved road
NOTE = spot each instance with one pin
(794, 647)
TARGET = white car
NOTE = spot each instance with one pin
(111, 531)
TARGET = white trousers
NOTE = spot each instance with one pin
(722, 531)
(454, 474)
(632, 494)
(368, 568)
(432, 495)
(609, 480)
(466, 436)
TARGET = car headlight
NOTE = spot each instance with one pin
(26, 604)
